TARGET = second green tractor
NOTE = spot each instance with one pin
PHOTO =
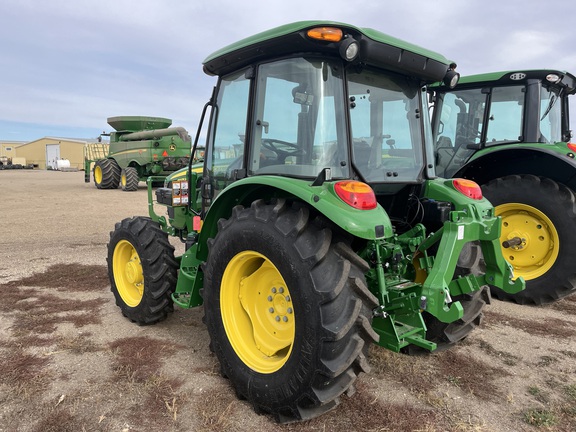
(510, 132)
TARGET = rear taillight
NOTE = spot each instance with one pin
(572, 146)
(356, 194)
(468, 188)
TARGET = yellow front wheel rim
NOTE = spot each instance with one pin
(257, 312)
(540, 244)
(98, 174)
(128, 273)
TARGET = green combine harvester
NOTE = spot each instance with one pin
(139, 148)
(317, 225)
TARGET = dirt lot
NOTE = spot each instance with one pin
(69, 361)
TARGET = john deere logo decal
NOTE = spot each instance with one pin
(172, 147)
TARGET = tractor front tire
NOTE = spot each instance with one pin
(542, 213)
(129, 179)
(106, 174)
(288, 310)
(142, 270)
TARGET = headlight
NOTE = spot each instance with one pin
(349, 49)
(451, 78)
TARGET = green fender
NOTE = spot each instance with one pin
(366, 224)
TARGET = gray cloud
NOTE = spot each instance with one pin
(75, 63)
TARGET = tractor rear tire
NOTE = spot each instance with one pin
(106, 174)
(446, 335)
(288, 310)
(543, 214)
(129, 179)
(142, 270)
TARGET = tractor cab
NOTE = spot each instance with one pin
(323, 103)
(490, 112)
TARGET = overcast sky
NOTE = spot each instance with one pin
(67, 65)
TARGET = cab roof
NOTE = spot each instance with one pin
(377, 49)
(515, 76)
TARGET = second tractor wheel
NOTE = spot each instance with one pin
(287, 309)
(106, 174)
(538, 235)
(445, 335)
(142, 270)
(129, 179)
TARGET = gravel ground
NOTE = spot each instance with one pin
(515, 373)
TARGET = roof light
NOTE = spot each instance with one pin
(468, 187)
(349, 49)
(553, 78)
(452, 77)
(356, 194)
(328, 34)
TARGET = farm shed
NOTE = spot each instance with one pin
(44, 152)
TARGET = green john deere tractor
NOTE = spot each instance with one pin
(509, 132)
(140, 147)
(317, 225)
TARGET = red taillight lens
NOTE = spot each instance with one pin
(468, 188)
(572, 146)
(356, 194)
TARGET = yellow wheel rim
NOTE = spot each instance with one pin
(98, 174)
(123, 179)
(128, 273)
(540, 242)
(420, 274)
(257, 312)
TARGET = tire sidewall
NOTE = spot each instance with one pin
(283, 384)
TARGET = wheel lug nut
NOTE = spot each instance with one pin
(289, 310)
(287, 298)
(281, 290)
(277, 318)
(270, 298)
(271, 310)
(285, 319)
(274, 290)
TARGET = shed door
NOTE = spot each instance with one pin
(52, 155)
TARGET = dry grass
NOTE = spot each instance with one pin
(506, 358)
(551, 327)
(567, 304)
(471, 375)
(366, 412)
(67, 277)
(20, 368)
(218, 410)
(137, 369)
(138, 358)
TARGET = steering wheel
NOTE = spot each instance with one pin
(270, 144)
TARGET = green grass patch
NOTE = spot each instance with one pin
(539, 417)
